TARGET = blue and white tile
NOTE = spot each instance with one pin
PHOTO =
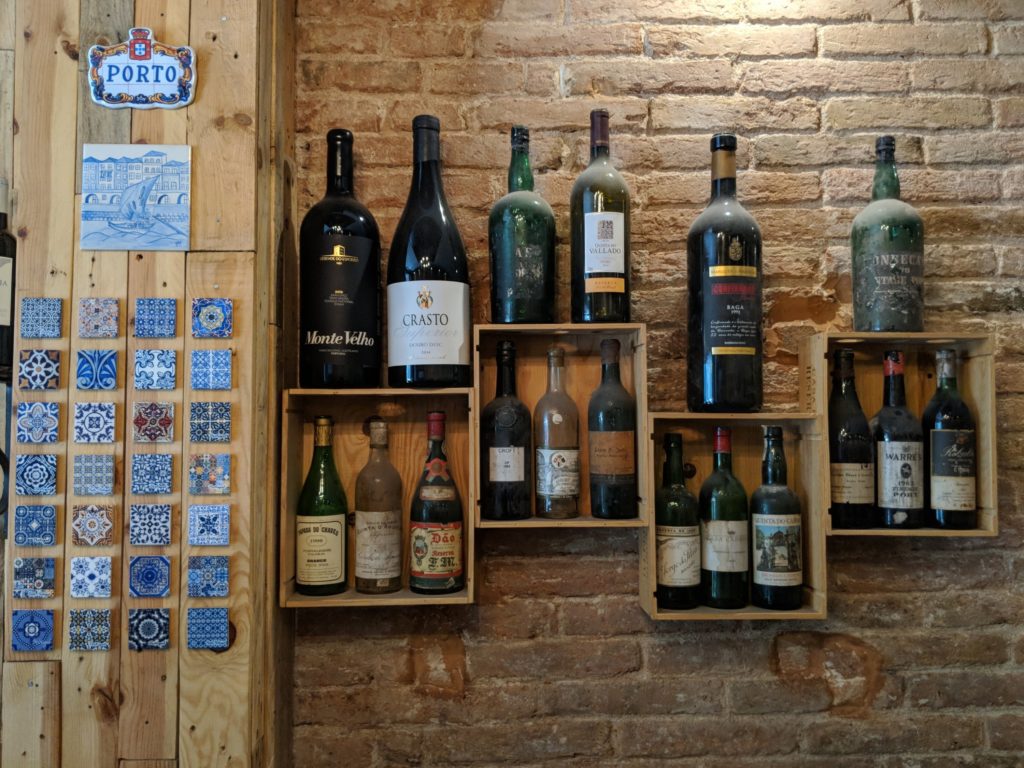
(37, 422)
(149, 629)
(41, 318)
(90, 577)
(93, 475)
(210, 422)
(35, 525)
(211, 369)
(89, 629)
(209, 525)
(92, 525)
(208, 628)
(39, 369)
(151, 473)
(97, 318)
(212, 318)
(149, 576)
(96, 369)
(94, 422)
(156, 318)
(35, 474)
(156, 368)
(208, 576)
(209, 474)
(34, 578)
(31, 630)
(149, 525)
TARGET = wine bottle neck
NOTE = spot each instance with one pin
(339, 169)
(610, 373)
(886, 185)
(435, 448)
(507, 378)
(723, 460)
(556, 378)
(843, 380)
(894, 393)
(723, 174)
(3, 221)
(598, 151)
(773, 466)
(378, 454)
(672, 472)
(520, 175)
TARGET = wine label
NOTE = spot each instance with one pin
(724, 545)
(558, 472)
(507, 465)
(731, 322)
(900, 479)
(604, 244)
(438, 493)
(6, 285)
(853, 483)
(778, 552)
(378, 544)
(319, 549)
(428, 323)
(954, 469)
(436, 551)
(888, 288)
(526, 274)
(613, 453)
(678, 555)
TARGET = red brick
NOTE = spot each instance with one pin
(643, 697)
(567, 114)
(425, 41)
(770, 697)
(966, 75)
(1006, 732)
(957, 689)
(316, 745)
(473, 76)
(694, 655)
(938, 649)
(322, 35)
(998, 147)
(688, 737)
(829, 149)
(353, 663)
(913, 572)
(1009, 113)
(739, 113)
(888, 735)
(879, 39)
(537, 577)
(745, 40)
(664, 153)
(553, 659)
(605, 615)
(915, 184)
(504, 39)
(439, 10)
(1008, 38)
(516, 618)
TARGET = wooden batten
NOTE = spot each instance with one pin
(30, 734)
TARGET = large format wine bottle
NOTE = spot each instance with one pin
(950, 453)
(521, 235)
(899, 447)
(851, 450)
(724, 261)
(776, 524)
(378, 518)
(677, 533)
(724, 532)
(321, 522)
(611, 425)
(436, 525)
(505, 459)
(599, 220)
(8, 249)
(339, 282)
(887, 246)
(428, 279)
(557, 439)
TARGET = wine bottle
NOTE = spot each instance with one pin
(724, 260)
(505, 427)
(378, 518)
(677, 533)
(557, 437)
(321, 529)
(851, 450)
(950, 451)
(428, 279)
(435, 528)
(611, 424)
(899, 446)
(887, 248)
(776, 523)
(521, 236)
(339, 282)
(724, 534)
(599, 219)
(8, 254)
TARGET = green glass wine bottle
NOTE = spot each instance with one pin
(321, 522)
(724, 532)
(677, 533)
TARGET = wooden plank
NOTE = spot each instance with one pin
(7, 25)
(169, 21)
(148, 764)
(31, 724)
(6, 114)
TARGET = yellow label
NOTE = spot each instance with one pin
(339, 256)
(319, 549)
(605, 285)
(733, 351)
(727, 270)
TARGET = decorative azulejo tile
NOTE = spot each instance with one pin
(97, 318)
(149, 576)
(156, 318)
(35, 525)
(34, 578)
(31, 630)
(41, 318)
(209, 474)
(97, 369)
(38, 422)
(94, 422)
(210, 422)
(153, 422)
(151, 473)
(39, 369)
(93, 475)
(208, 628)
(90, 577)
(212, 318)
(211, 369)
(149, 525)
(149, 629)
(155, 368)
(208, 576)
(209, 525)
(35, 474)
(92, 525)
(89, 629)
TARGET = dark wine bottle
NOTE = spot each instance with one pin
(599, 219)
(611, 425)
(321, 523)
(505, 459)
(435, 527)
(899, 447)
(339, 282)
(677, 533)
(428, 279)
(851, 450)
(724, 532)
(724, 261)
(950, 451)
(8, 254)
(777, 527)
(521, 236)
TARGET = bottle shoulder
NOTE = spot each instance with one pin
(504, 401)
(555, 401)
(888, 210)
(775, 499)
(602, 175)
(342, 215)
(897, 421)
(725, 215)
(721, 483)
(524, 203)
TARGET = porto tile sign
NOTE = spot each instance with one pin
(142, 73)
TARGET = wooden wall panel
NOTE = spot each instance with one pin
(30, 735)
(169, 21)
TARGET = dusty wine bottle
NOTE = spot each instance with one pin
(321, 522)
(851, 450)
(505, 460)
(899, 447)
(378, 518)
(611, 428)
(724, 532)
(557, 441)
(677, 534)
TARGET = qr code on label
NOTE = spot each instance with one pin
(606, 230)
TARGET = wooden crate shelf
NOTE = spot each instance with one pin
(582, 344)
(405, 410)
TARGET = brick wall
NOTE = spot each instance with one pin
(922, 660)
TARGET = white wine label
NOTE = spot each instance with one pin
(778, 551)
(428, 323)
(724, 545)
(604, 243)
(612, 453)
(900, 475)
(378, 544)
(678, 555)
(507, 465)
(853, 483)
(6, 279)
(319, 549)
(558, 472)
(954, 469)
(438, 493)
(436, 550)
